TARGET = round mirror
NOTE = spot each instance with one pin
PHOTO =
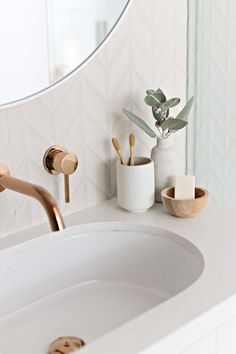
(42, 41)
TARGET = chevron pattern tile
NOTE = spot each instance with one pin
(215, 118)
(147, 49)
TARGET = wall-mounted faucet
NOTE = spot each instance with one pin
(58, 160)
(32, 190)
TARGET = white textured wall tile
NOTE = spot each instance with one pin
(147, 49)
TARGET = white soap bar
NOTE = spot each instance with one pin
(184, 187)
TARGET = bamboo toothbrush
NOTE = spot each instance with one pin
(116, 145)
(131, 146)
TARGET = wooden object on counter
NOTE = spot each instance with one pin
(184, 208)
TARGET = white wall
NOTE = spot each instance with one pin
(23, 41)
(147, 50)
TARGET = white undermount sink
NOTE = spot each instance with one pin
(87, 281)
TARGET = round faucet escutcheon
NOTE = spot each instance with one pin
(58, 160)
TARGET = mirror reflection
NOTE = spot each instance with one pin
(43, 41)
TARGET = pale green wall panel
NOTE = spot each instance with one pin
(212, 80)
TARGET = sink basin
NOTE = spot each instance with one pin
(87, 281)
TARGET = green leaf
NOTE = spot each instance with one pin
(159, 91)
(152, 101)
(186, 110)
(150, 92)
(140, 123)
(173, 124)
(156, 114)
(170, 103)
(160, 96)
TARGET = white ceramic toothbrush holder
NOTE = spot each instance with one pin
(136, 185)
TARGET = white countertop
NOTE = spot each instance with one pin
(183, 319)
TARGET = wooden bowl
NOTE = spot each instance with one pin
(184, 208)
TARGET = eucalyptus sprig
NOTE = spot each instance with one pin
(165, 124)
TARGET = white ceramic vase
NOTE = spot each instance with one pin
(163, 157)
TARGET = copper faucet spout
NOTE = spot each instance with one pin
(42, 195)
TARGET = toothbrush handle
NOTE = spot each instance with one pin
(131, 160)
(122, 160)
